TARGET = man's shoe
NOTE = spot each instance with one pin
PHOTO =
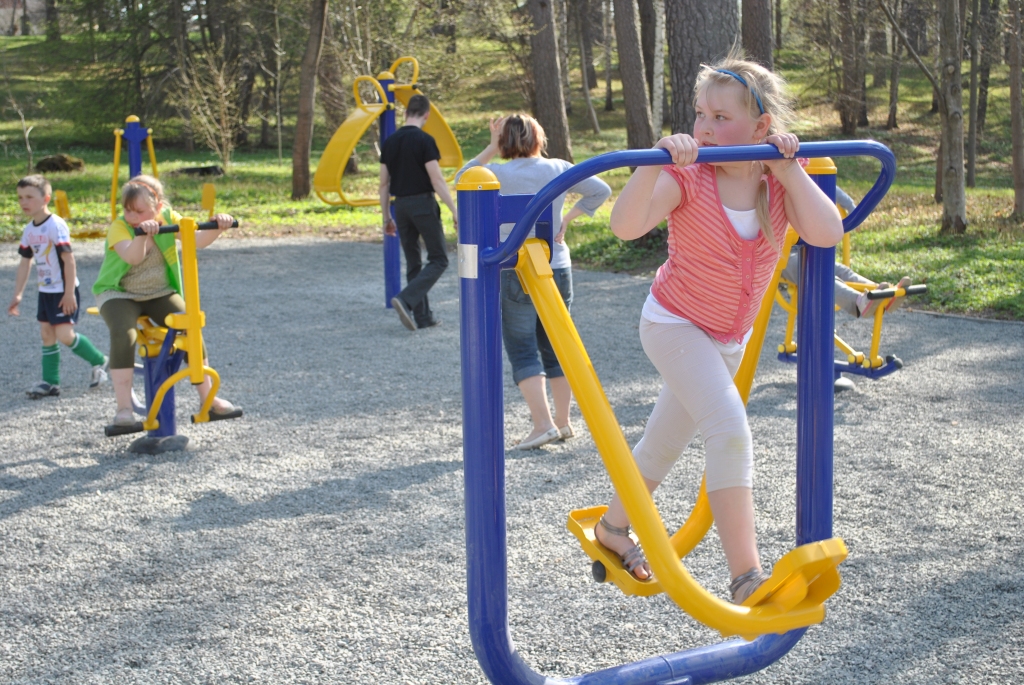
(43, 390)
(99, 373)
(430, 324)
(403, 313)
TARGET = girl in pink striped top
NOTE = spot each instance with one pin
(726, 224)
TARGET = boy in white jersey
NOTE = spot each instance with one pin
(46, 240)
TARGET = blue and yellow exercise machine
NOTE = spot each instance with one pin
(330, 171)
(163, 348)
(775, 617)
(870, 365)
(133, 135)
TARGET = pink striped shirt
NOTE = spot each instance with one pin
(713, 277)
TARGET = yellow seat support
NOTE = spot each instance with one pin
(802, 578)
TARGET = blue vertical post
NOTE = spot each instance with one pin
(134, 134)
(483, 425)
(392, 244)
(156, 371)
(815, 378)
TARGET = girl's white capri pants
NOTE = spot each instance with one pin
(698, 395)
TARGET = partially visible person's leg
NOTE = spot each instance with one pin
(409, 238)
(519, 335)
(702, 382)
(847, 298)
(120, 316)
(560, 390)
(51, 354)
(425, 214)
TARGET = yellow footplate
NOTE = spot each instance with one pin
(581, 523)
(805, 577)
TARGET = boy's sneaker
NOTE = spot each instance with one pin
(43, 390)
(99, 373)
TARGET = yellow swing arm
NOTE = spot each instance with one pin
(802, 580)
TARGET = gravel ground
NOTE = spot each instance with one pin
(320, 538)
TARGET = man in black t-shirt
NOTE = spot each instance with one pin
(409, 170)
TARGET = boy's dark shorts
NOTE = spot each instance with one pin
(50, 311)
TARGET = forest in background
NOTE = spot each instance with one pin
(177, 65)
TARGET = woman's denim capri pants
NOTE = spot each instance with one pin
(521, 330)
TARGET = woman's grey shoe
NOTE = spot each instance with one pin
(745, 585)
(542, 439)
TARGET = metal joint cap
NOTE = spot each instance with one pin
(821, 166)
(478, 178)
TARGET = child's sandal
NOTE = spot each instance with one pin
(745, 585)
(634, 557)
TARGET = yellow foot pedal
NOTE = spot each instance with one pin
(805, 577)
(607, 564)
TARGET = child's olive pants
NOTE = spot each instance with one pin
(121, 316)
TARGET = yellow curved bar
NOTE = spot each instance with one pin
(328, 178)
(151, 424)
(152, 152)
(117, 168)
(744, 378)
(415, 67)
(204, 411)
(804, 577)
(437, 127)
(359, 98)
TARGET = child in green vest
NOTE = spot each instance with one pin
(47, 241)
(141, 276)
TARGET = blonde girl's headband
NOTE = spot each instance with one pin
(145, 185)
(742, 80)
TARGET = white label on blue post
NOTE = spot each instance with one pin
(467, 260)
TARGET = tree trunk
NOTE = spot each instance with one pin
(586, 29)
(302, 147)
(1016, 116)
(658, 94)
(989, 53)
(562, 34)
(591, 114)
(848, 97)
(757, 31)
(698, 31)
(862, 62)
(778, 26)
(648, 19)
(549, 104)
(879, 54)
(639, 127)
(52, 20)
(894, 77)
(609, 103)
(972, 132)
(954, 207)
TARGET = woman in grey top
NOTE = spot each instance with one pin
(519, 139)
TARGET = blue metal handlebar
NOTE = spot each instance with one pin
(735, 153)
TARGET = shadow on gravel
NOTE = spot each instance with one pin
(375, 490)
(66, 482)
(937, 620)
